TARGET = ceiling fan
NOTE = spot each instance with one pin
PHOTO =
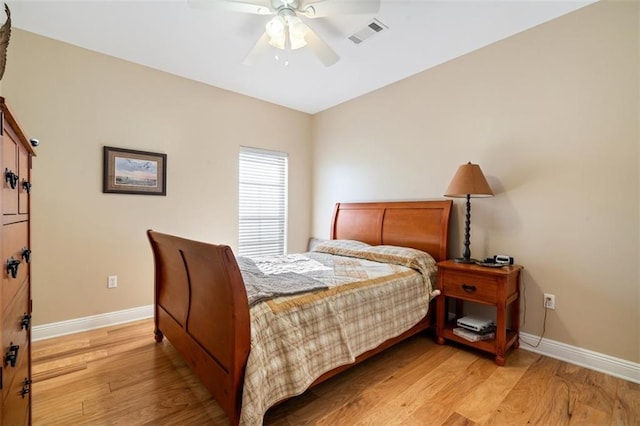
(286, 30)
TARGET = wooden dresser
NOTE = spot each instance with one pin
(15, 294)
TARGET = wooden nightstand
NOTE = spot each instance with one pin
(499, 287)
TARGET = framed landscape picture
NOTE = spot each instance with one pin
(127, 171)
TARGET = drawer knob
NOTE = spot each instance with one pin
(469, 288)
(11, 178)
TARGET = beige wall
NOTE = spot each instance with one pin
(551, 115)
(75, 101)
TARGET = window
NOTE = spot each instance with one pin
(263, 202)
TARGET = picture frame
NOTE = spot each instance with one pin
(128, 171)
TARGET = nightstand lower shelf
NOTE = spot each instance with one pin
(488, 345)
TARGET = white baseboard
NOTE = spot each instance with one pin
(47, 331)
(607, 364)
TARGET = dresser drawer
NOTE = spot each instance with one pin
(16, 394)
(470, 286)
(12, 328)
(15, 237)
(15, 410)
(9, 164)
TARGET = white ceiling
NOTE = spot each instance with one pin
(209, 46)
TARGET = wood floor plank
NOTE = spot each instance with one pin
(555, 405)
(584, 414)
(69, 361)
(64, 403)
(484, 400)
(43, 352)
(140, 404)
(399, 402)
(627, 405)
(519, 404)
(440, 407)
(120, 376)
(199, 414)
(598, 396)
(50, 373)
(457, 420)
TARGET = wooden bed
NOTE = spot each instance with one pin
(201, 303)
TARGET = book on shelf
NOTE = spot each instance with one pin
(471, 335)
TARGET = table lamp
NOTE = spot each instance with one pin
(468, 182)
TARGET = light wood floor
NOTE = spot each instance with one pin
(119, 375)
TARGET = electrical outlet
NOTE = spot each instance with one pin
(549, 301)
(112, 282)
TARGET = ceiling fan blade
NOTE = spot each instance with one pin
(261, 46)
(322, 8)
(325, 54)
(257, 8)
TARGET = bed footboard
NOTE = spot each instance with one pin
(201, 307)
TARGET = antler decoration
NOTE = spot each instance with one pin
(5, 34)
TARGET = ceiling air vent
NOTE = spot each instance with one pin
(372, 28)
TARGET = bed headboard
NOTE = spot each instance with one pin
(423, 225)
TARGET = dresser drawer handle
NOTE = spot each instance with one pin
(10, 178)
(25, 323)
(11, 357)
(12, 267)
(26, 185)
(26, 387)
(26, 254)
(469, 288)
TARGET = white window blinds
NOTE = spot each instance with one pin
(263, 202)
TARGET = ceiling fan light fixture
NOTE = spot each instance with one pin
(278, 42)
(297, 43)
(276, 30)
(297, 32)
(286, 30)
(276, 26)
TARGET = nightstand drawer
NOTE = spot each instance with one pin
(470, 286)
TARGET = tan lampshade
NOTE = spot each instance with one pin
(469, 180)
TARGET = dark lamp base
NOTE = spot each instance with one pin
(464, 260)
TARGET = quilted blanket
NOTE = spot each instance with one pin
(266, 278)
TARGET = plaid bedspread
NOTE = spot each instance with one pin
(374, 294)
